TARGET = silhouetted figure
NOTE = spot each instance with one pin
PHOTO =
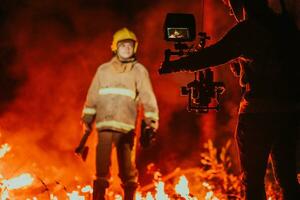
(269, 109)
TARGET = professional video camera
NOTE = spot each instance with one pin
(180, 28)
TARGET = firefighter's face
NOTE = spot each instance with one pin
(125, 49)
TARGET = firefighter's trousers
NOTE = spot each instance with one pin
(124, 145)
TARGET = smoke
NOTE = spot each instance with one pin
(49, 52)
(9, 82)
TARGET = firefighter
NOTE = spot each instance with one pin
(268, 118)
(117, 89)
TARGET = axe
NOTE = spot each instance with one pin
(82, 150)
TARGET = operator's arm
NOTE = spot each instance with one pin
(226, 49)
(147, 98)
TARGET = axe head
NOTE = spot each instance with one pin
(82, 152)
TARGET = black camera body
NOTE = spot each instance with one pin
(180, 28)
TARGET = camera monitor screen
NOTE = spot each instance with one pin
(178, 34)
(179, 27)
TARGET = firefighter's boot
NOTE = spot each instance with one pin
(129, 190)
(99, 189)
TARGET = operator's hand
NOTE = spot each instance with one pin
(165, 68)
(174, 66)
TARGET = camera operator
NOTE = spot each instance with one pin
(269, 109)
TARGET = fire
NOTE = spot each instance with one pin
(160, 191)
(182, 187)
(118, 197)
(18, 182)
(53, 197)
(206, 184)
(138, 196)
(21, 181)
(87, 189)
(4, 195)
(149, 196)
(210, 194)
(75, 196)
(4, 149)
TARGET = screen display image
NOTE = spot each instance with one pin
(178, 33)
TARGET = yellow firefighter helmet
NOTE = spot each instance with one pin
(123, 34)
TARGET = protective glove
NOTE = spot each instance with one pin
(148, 132)
(147, 137)
(165, 68)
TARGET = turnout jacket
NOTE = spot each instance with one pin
(115, 93)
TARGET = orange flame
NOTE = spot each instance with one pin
(52, 197)
(210, 194)
(160, 191)
(4, 194)
(14, 183)
(4, 149)
(18, 182)
(182, 187)
(74, 195)
(138, 196)
(118, 197)
(87, 189)
(149, 196)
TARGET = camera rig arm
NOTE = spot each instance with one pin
(203, 89)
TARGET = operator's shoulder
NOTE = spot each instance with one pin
(242, 28)
(242, 25)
